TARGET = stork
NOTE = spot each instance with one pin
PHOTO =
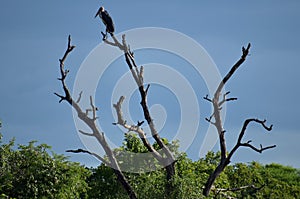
(107, 20)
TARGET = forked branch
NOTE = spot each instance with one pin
(135, 128)
(90, 122)
(137, 74)
(216, 116)
(64, 73)
(247, 144)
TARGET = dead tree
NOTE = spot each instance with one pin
(90, 122)
(165, 158)
(218, 100)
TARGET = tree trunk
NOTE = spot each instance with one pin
(170, 174)
(210, 181)
(125, 184)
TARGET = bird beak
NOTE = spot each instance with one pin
(97, 13)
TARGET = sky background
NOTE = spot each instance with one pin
(34, 34)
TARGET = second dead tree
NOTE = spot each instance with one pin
(215, 119)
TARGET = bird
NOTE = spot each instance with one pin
(107, 20)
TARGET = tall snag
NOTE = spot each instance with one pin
(215, 119)
(166, 159)
(90, 121)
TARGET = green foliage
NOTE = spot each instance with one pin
(133, 156)
(104, 184)
(31, 172)
(269, 181)
(127, 155)
(281, 181)
(133, 143)
(274, 181)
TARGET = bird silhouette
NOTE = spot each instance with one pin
(107, 21)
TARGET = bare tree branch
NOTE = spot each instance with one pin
(137, 74)
(209, 120)
(116, 43)
(217, 103)
(64, 73)
(91, 153)
(247, 144)
(138, 77)
(257, 149)
(216, 98)
(94, 109)
(87, 134)
(135, 128)
(207, 98)
(79, 97)
(90, 122)
(225, 99)
(147, 115)
(245, 52)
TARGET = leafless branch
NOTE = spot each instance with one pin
(135, 128)
(118, 106)
(146, 91)
(141, 75)
(259, 150)
(116, 43)
(94, 109)
(87, 134)
(138, 77)
(137, 74)
(143, 93)
(209, 120)
(90, 122)
(225, 99)
(69, 49)
(64, 73)
(207, 98)
(217, 103)
(79, 97)
(247, 144)
(91, 153)
(245, 52)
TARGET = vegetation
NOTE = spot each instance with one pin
(33, 171)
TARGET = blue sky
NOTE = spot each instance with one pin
(33, 37)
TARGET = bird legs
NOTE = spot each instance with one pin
(104, 35)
